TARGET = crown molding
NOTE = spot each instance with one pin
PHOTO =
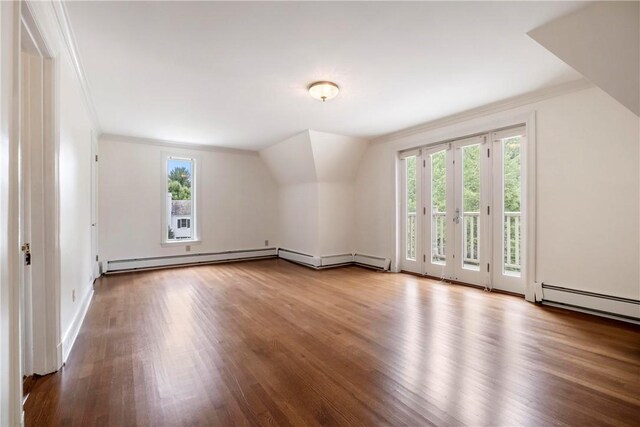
(494, 107)
(62, 19)
(177, 145)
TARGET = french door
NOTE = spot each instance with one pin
(509, 201)
(471, 212)
(463, 210)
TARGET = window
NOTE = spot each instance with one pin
(179, 224)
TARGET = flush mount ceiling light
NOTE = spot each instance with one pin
(323, 91)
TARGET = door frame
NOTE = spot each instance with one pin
(10, 376)
(44, 303)
(94, 207)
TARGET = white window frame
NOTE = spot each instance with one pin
(195, 205)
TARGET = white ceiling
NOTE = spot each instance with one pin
(234, 74)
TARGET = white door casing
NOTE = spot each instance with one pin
(94, 207)
(39, 209)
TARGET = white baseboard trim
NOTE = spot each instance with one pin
(537, 292)
(72, 332)
(123, 265)
(599, 304)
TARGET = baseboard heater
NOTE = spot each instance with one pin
(327, 261)
(372, 262)
(123, 265)
(133, 264)
(599, 304)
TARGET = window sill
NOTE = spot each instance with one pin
(180, 243)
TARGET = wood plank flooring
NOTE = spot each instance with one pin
(273, 343)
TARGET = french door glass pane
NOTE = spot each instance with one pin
(512, 173)
(410, 164)
(438, 207)
(471, 207)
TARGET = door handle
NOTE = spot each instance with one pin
(456, 219)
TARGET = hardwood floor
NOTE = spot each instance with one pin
(272, 343)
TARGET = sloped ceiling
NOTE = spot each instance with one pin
(336, 156)
(602, 42)
(313, 156)
(291, 161)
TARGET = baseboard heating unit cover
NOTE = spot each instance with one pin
(176, 260)
(595, 303)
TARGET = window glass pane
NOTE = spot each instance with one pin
(471, 206)
(512, 173)
(438, 207)
(179, 199)
(410, 164)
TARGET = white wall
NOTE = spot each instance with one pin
(298, 217)
(588, 233)
(588, 204)
(337, 159)
(237, 200)
(374, 225)
(10, 381)
(292, 164)
(75, 197)
(335, 218)
(315, 172)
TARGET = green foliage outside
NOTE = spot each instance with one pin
(439, 181)
(471, 177)
(512, 175)
(180, 183)
(411, 184)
